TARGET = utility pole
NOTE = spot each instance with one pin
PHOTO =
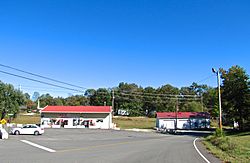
(219, 96)
(177, 109)
(218, 77)
(202, 103)
(113, 101)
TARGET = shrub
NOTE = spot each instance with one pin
(222, 142)
(219, 133)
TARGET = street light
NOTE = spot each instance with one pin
(219, 95)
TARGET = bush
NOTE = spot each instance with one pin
(222, 142)
(219, 133)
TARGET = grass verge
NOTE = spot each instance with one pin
(233, 147)
(134, 122)
(27, 119)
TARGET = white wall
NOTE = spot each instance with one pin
(167, 123)
(99, 120)
(194, 123)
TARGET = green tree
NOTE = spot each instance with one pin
(46, 99)
(129, 97)
(77, 100)
(149, 101)
(89, 92)
(35, 96)
(210, 100)
(101, 96)
(192, 106)
(10, 100)
(165, 102)
(30, 105)
(235, 95)
(58, 101)
(27, 96)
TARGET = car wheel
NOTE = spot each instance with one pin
(36, 133)
(17, 132)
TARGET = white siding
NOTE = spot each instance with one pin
(95, 120)
(166, 123)
(169, 123)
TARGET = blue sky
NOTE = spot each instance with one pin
(100, 43)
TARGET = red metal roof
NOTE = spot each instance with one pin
(76, 109)
(183, 115)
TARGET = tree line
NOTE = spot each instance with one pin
(139, 101)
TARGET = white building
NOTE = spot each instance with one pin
(76, 117)
(182, 120)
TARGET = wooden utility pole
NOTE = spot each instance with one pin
(113, 101)
(219, 96)
(177, 109)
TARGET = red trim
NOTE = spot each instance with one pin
(183, 115)
(76, 109)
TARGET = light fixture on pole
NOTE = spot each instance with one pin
(219, 96)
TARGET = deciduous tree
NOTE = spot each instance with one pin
(236, 94)
(10, 99)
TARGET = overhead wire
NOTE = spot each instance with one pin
(42, 88)
(151, 94)
(166, 95)
(38, 81)
(205, 79)
(46, 90)
(153, 101)
(146, 96)
(157, 94)
(40, 76)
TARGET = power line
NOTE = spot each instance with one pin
(171, 97)
(46, 90)
(165, 95)
(150, 94)
(40, 76)
(204, 79)
(38, 81)
(153, 101)
(146, 96)
(38, 87)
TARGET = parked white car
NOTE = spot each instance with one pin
(28, 129)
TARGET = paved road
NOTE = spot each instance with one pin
(100, 146)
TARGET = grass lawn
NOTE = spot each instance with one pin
(134, 122)
(27, 119)
(234, 147)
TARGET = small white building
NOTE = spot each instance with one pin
(76, 117)
(182, 120)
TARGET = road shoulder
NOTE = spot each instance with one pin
(206, 153)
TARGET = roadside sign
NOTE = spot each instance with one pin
(3, 121)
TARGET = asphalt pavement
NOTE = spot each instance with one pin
(100, 146)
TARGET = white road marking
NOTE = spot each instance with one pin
(38, 146)
(199, 151)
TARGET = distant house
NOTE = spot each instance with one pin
(76, 117)
(182, 120)
(123, 112)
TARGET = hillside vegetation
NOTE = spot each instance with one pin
(234, 147)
